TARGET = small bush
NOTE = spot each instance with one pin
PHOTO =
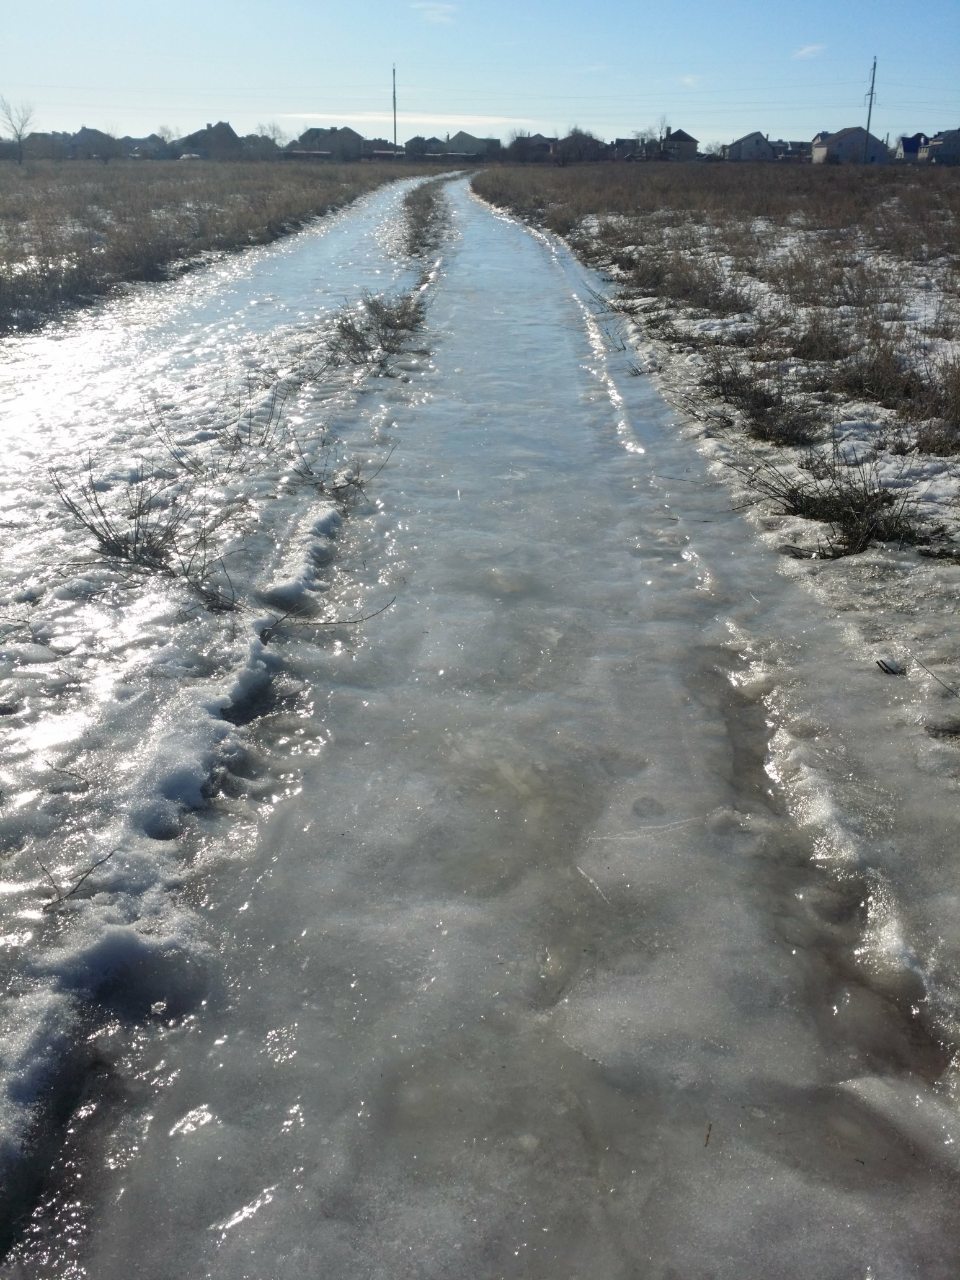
(941, 433)
(770, 414)
(155, 524)
(377, 331)
(700, 282)
(141, 524)
(881, 372)
(802, 277)
(848, 495)
(823, 338)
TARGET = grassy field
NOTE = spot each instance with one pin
(840, 283)
(914, 212)
(813, 310)
(71, 231)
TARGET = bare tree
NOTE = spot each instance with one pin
(18, 118)
(648, 141)
(272, 131)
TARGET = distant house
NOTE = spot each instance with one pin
(647, 148)
(578, 147)
(908, 148)
(215, 142)
(623, 149)
(942, 148)
(428, 148)
(752, 146)
(257, 146)
(93, 144)
(465, 144)
(849, 146)
(381, 149)
(797, 152)
(153, 147)
(44, 146)
(341, 143)
(678, 145)
(530, 147)
(792, 152)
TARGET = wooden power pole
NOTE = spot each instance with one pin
(870, 97)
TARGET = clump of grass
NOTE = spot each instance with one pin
(426, 215)
(800, 276)
(700, 282)
(377, 331)
(881, 371)
(823, 338)
(156, 524)
(664, 270)
(849, 496)
(769, 413)
(940, 434)
(645, 271)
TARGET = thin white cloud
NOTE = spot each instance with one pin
(690, 82)
(410, 118)
(809, 50)
(431, 11)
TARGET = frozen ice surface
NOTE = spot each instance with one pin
(595, 924)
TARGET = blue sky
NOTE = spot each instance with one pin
(717, 68)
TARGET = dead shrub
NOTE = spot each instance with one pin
(770, 414)
(862, 285)
(801, 275)
(700, 282)
(850, 496)
(377, 331)
(426, 214)
(644, 270)
(940, 434)
(823, 338)
(883, 373)
(156, 524)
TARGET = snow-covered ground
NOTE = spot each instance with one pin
(587, 911)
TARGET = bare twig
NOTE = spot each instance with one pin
(949, 688)
(63, 894)
(288, 619)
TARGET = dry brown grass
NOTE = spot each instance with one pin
(912, 211)
(820, 266)
(71, 231)
(850, 497)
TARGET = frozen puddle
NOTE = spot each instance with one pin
(565, 929)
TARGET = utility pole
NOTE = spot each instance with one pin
(395, 110)
(870, 96)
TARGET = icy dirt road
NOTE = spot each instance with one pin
(568, 919)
